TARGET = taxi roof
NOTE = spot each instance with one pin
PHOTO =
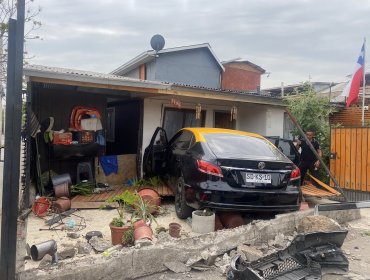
(200, 131)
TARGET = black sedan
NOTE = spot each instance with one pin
(223, 169)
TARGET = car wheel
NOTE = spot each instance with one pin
(183, 211)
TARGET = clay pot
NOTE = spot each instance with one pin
(218, 224)
(117, 233)
(139, 223)
(62, 204)
(231, 219)
(174, 230)
(150, 196)
(143, 232)
(61, 190)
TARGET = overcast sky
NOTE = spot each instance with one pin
(291, 39)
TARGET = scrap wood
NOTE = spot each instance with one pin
(325, 186)
(311, 190)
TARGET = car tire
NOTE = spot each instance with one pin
(183, 211)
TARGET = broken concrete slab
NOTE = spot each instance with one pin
(73, 235)
(177, 267)
(251, 253)
(84, 248)
(135, 263)
(99, 244)
(66, 253)
(317, 223)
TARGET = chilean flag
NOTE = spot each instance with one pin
(352, 89)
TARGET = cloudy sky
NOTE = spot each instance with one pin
(294, 40)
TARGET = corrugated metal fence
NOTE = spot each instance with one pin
(350, 160)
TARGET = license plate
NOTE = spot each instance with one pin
(257, 178)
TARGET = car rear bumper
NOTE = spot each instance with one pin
(243, 199)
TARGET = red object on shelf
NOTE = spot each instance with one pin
(41, 206)
(62, 138)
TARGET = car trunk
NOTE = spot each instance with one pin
(245, 173)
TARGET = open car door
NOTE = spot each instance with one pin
(154, 161)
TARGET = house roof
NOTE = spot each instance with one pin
(58, 73)
(64, 76)
(150, 55)
(239, 61)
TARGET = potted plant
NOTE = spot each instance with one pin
(142, 218)
(149, 193)
(117, 225)
(128, 237)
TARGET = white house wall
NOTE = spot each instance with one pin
(275, 121)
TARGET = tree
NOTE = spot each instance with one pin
(312, 113)
(8, 9)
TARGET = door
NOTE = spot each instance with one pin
(155, 154)
(222, 120)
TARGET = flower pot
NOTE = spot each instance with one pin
(41, 206)
(62, 204)
(61, 190)
(143, 232)
(117, 233)
(150, 196)
(139, 223)
(174, 230)
(203, 222)
(231, 219)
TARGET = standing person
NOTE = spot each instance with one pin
(308, 158)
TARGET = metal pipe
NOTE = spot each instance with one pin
(315, 153)
(38, 251)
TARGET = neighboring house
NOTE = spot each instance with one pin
(286, 90)
(195, 65)
(241, 75)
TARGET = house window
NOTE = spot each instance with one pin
(175, 119)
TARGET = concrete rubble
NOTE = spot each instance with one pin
(180, 255)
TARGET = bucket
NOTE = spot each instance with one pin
(41, 206)
(174, 230)
(203, 221)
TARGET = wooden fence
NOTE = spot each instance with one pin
(350, 160)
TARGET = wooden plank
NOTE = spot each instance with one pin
(368, 161)
(364, 158)
(358, 158)
(337, 150)
(332, 151)
(353, 159)
(342, 157)
(87, 205)
(347, 163)
(325, 186)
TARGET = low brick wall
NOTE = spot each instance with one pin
(134, 263)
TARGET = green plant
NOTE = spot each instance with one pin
(143, 210)
(312, 112)
(136, 183)
(122, 200)
(83, 188)
(154, 182)
(128, 237)
(117, 222)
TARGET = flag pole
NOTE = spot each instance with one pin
(363, 87)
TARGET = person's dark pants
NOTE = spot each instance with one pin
(304, 166)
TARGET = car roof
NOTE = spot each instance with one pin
(199, 131)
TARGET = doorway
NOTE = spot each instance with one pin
(222, 120)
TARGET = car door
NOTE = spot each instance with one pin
(178, 158)
(154, 161)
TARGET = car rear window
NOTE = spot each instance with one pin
(226, 145)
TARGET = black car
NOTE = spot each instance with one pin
(287, 147)
(223, 169)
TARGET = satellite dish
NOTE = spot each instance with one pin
(157, 42)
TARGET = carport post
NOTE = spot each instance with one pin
(12, 145)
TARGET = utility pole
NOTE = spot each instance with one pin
(12, 145)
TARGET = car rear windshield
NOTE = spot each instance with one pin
(225, 145)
